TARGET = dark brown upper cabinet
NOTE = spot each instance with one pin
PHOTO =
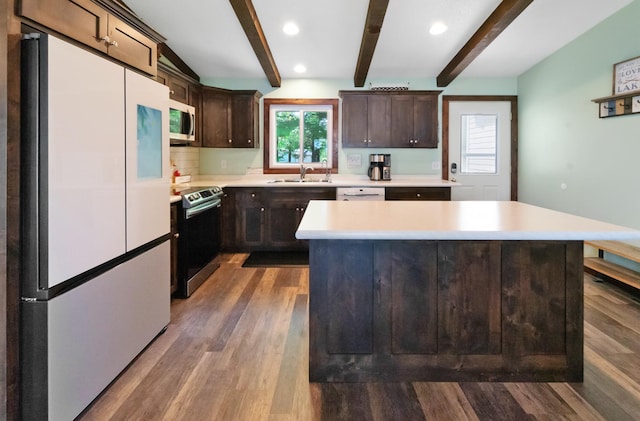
(92, 25)
(414, 121)
(230, 118)
(366, 120)
(401, 119)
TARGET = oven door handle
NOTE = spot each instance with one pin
(196, 210)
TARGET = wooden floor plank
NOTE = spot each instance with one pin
(596, 339)
(444, 401)
(583, 410)
(600, 392)
(394, 401)
(236, 312)
(492, 401)
(344, 401)
(540, 400)
(237, 349)
(282, 402)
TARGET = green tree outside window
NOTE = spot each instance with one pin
(301, 140)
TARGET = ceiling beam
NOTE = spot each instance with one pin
(248, 18)
(505, 13)
(165, 50)
(372, 26)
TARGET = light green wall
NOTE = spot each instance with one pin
(404, 161)
(563, 143)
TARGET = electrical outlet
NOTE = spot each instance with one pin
(354, 161)
(435, 165)
(223, 164)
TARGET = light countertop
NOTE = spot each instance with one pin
(337, 180)
(425, 220)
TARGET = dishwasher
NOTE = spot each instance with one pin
(360, 193)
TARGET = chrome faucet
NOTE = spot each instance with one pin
(327, 170)
(303, 171)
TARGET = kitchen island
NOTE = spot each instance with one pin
(446, 291)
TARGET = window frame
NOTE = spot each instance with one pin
(269, 144)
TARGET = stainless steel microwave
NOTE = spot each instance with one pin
(182, 122)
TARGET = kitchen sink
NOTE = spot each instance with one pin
(297, 180)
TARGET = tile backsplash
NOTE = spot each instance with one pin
(186, 160)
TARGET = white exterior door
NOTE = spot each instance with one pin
(480, 149)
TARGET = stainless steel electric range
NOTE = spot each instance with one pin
(199, 240)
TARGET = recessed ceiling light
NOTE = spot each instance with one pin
(290, 28)
(299, 68)
(438, 28)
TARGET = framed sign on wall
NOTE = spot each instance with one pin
(626, 76)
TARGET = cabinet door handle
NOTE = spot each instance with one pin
(176, 235)
(229, 140)
(248, 140)
(261, 209)
(108, 41)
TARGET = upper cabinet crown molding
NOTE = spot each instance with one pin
(123, 12)
(102, 25)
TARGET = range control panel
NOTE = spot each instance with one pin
(197, 196)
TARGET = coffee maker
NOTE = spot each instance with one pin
(379, 166)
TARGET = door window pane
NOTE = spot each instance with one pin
(478, 146)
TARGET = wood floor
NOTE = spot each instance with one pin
(237, 350)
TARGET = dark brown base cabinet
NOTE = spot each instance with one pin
(445, 311)
(417, 193)
(268, 218)
(174, 246)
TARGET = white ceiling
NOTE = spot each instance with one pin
(208, 37)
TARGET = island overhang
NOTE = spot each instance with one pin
(465, 220)
(446, 291)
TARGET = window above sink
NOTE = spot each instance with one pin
(300, 132)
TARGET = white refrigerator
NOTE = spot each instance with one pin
(94, 226)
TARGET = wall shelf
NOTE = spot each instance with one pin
(617, 105)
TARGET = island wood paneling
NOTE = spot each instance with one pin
(345, 301)
(414, 310)
(469, 298)
(534, 304)
(495, 311)
(260, 371)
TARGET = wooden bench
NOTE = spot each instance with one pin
(597, 265)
